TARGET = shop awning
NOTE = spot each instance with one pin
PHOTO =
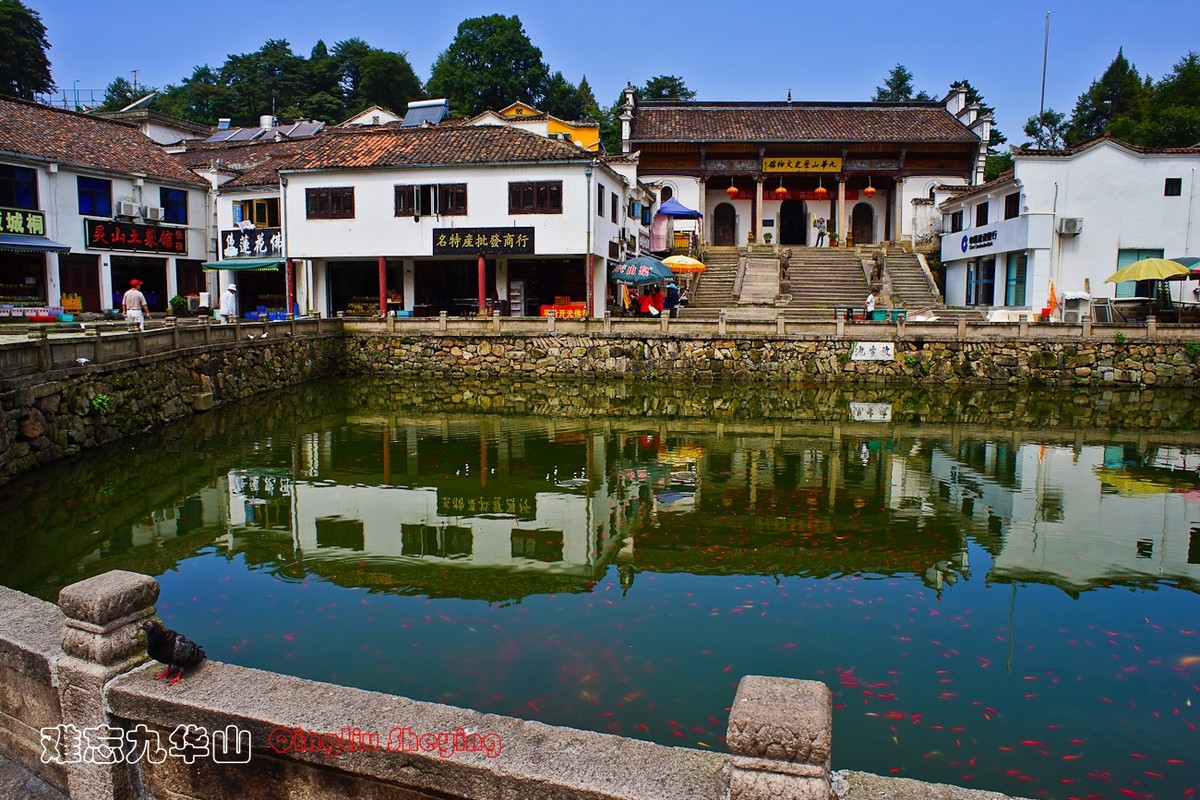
(31, 244)
(244, 264)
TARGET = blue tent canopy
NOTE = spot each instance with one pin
(674, 208)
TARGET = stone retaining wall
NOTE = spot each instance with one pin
(82, 710)
(763, 358)
(56, 413)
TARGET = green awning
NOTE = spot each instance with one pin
(31, 244)
(244, 264)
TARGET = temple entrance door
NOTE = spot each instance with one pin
(862, 224)
(724, 225)
(793, 222)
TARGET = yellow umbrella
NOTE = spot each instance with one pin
(1149, 269)
(683, 264)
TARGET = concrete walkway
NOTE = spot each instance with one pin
(18, 782)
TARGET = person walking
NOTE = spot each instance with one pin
(228, 306)
(820, 231)
(871, 303)
(133, 306)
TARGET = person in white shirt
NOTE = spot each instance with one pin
(871, 302)
(228, 307)
(133, 306)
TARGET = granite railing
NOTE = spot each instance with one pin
(80, 707)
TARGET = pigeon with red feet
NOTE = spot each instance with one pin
(171, 648)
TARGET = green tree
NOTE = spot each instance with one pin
(1120, 92)
(264, 81)
(204, 97)
(490, 64)
(589, 108)
(1046, 131)
(897, 87)
(119, 94)
(348, 56)
(24, 65)
(388, 80)
(1173, 119)
(562, 98)
(665, 87)
(1182, 86)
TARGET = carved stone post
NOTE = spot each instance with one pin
(780, 734)
(100, 641)
(721, 322)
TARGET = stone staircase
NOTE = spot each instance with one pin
(819, 279)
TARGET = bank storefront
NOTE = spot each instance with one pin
(993, 266)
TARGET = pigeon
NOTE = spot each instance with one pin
(171, 648)
(264, 334)
(250, 336)
(81, 361)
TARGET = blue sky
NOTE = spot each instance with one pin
(722, 50)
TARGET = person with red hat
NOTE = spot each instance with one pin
(133, 306)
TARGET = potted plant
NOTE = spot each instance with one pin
(179, 305)
(833, 238)
(767, 237)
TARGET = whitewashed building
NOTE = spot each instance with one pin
(87, 205)
(1071, 218)
(456, 218)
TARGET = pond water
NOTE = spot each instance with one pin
(1000, 589)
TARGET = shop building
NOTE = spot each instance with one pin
(779, 167)
(1069, 218)
(88, 205)
(456, 218)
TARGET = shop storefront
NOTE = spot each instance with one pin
(253, 259)
(23, 255)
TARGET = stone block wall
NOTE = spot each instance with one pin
(760, 358)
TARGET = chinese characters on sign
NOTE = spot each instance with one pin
(571, 311)
(252, 243)
(474, 241)
(873, 351)
(818, 164)
(106, 235)
(457, 505)
(22, 221)
(871, 412)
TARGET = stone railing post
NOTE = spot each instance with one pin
(608, 322)
(496, 320)
(443, 324)
(94, 335)
(99, 642)
(1151, 326)
(780, 735)
(962, 329)
(1087, 326)
(550, 321)
(140, 339)
(721, 322)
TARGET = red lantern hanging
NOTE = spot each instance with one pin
(870, 190)
(780, 192)
(732, 190)
(821, 191)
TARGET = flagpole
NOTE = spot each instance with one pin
(1042, 100)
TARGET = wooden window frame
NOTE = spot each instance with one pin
(333, 202)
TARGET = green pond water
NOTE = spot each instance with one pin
(1000, 588)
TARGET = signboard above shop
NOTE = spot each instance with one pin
(22, 221)
(252, 243)
(802, 164)
(482, 241)
(111, 235)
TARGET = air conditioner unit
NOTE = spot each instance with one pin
(154, 213)
(127, 208)
(1070, 225)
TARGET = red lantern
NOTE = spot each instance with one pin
(780, 192)
(821, 191)
(731, 191)
(869, 191)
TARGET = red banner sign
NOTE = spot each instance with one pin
(109, 235)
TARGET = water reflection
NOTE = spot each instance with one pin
(613, 557)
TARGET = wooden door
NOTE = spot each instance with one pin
(724, 225)
(80, 275)
(862, 224)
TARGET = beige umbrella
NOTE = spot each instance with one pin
(684, 264)
(1149, 269)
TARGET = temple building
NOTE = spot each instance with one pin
(778, 168)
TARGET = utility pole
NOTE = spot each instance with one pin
(1042, 101)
